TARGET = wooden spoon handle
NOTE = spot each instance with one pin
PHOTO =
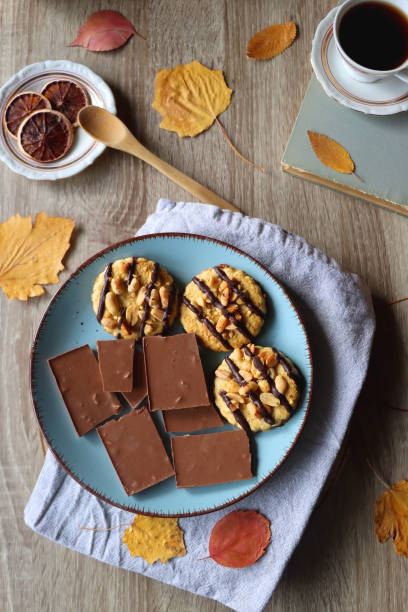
(187, 183)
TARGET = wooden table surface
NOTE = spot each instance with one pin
(338, 565)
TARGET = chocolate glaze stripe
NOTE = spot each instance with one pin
(131, 270)
(169, 306)
(290, 371)
(262, 369)
(104, 291)
(207, 323)
(238, 416)
(207, 291)
(232, 285)
(149, 289)
(268, 418)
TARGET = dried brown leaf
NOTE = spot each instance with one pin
(271, 41)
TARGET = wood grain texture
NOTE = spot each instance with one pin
(338, 565)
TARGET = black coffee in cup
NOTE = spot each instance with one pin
(375, 35)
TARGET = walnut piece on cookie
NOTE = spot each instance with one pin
(257, 388)
(224, 307)
(135, 297)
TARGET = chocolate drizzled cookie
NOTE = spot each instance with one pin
(256, 388)
(135, 297)
(224, 307)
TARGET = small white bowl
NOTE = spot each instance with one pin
(84, 150)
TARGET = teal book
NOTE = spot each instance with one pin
(378, 146)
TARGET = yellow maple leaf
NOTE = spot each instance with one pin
(331, 153)
(271, 41)
(154, 539)
(190, 97)
(31, 256)
(391, 516)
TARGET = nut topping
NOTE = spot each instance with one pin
(221, 324)
(222, 374)
(154, 297)
(134, 285)
(108, 322)
(164, 296)
(236, 397)
(111, 303)
(250, 386)
(225, 295)
(271, 360)
(132, 315)
(281, 384)
(157, 313)
(118, 286)
(141, 296)
(264, 385)
(247, 376)
(269, 399)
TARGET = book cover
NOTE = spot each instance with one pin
(378, 145)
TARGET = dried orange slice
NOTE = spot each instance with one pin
(45, 136)
(67, 97)
(20, 107)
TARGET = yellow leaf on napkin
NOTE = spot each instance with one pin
(31, 256)
(154, 539)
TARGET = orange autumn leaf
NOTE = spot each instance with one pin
(190, 97)
(154, 539)
(240, 538)
(331, 153)
(31, 256)
(271, 41)
(391, 516)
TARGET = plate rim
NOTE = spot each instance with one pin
(76, 272)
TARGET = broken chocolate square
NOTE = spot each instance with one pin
(79, 381)
(136, 450)
(175, 377)
(206, 459)
(116, 358)
(139, 391)
(191, 419)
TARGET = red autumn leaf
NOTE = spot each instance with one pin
(239, 538)
(104, 31)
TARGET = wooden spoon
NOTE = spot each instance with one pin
(109, 129)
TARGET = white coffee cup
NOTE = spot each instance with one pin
(356, 71)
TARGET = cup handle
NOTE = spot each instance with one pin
(403, 75)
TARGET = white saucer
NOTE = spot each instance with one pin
(84, 150)
(384, 97)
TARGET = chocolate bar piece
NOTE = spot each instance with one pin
(191, 419)
(206, 459)
(116, 359)
(136, 451)
(139, 391)
(79, 382)
(175, 377)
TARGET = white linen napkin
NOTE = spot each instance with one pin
(338, 315)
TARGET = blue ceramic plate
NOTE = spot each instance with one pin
(70, 321)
